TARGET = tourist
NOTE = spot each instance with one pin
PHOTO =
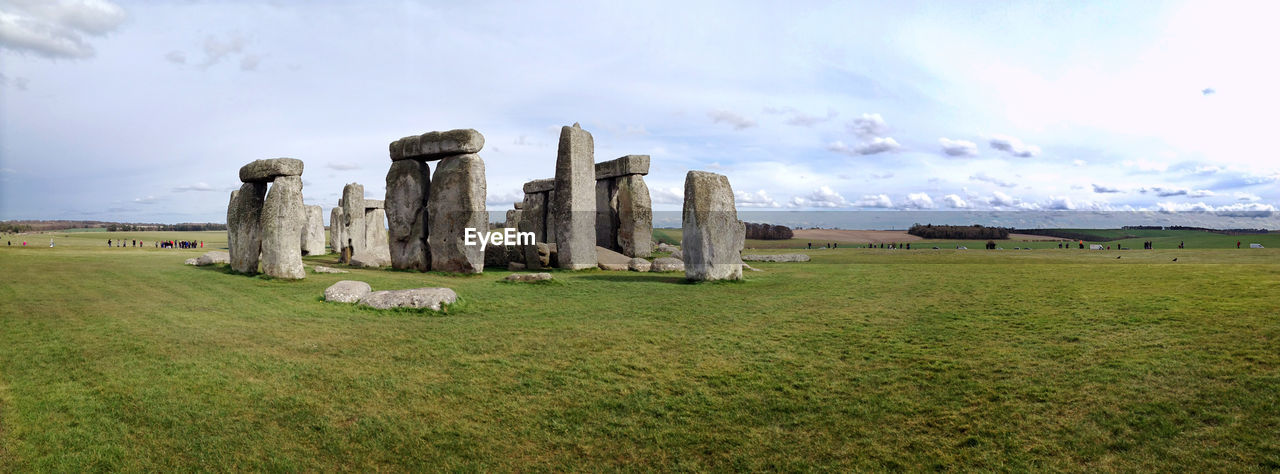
(109, 243)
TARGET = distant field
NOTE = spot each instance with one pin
(123, 359)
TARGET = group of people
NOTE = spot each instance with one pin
(167, 244)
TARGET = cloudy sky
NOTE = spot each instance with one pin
(141, 111)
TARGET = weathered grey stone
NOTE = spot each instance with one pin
(526, 277)
(519, 205)
(191, 261)
(437, 145)
(666, 264)
(539, 185)
(312, 238)
(212, 257)
(324, 269)
(352, 221)
(551, 219)
(335, 229)
(627, 165)
(244, 226)
(635, 216)
(676, 254)
(457, 203)
(513, 218)
(533, 219)
(516, 266)
(282, 216)
(749, 267)
(429, 298)
(606, 214)
(547, 255)
(665, 247)
(639, 265)
(573, 206)
(376, 252)
(711, 245)
(786, 257)
(347, 291)
(498, 256)
(612, 261)
(373, 204)
(267, 170)
(408, 189)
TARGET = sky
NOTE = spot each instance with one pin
(145, 111)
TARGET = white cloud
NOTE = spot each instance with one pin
(982, 176)
(1169, 192)
(1000, 199)
(737, 121)
(342, 165)
(1060, 203)
(757, 199)
(146, 200)
(1014, 146)
(955, 202)
(504, 200)
(918, 201)
(1078, 163)
(869, 126)
(56, 29)
(799, 118)
(1247, 197)
(1200, 193)
(201, 186)
(958, 147)
(1100, 189)
(870, 147)
(671, 195)
(215, 50)
(875, 200)
(824, 197)
(1252, 209)
(176, 57)
(250, 62)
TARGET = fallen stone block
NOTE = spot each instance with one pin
(786, 257)
(417, 298)
(347, 291)
(666, 264)
(527, 277)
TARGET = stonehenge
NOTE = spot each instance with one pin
(352, 222)
(264, 225)
(624, 212)
(408, 188)
(713, 236)
(312, 237)
(429, 214)
(573, 207)
(358, 226)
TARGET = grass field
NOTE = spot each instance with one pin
(862, 359)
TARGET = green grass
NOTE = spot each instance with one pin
(125, 359)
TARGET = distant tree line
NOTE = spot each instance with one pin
(967, 232)
(768, 232)
(1071, 234)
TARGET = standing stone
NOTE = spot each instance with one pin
(335, 229)
(376, 252)
(533, 218)
(635, 217)
(573, 206)
(713, 236)
(282, 216)
(352, 221)
(607, 214)
(244, 226)
(313, 231)
(513, 218)
(551, 218)
(408, 190)
(456, 204)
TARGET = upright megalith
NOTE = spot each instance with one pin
(624, 213)
(457, 207)
(713, 236)
(244, 226)
(573, 205)
(335, 229)
(430, 215)
(635, 217)
(353, 232)
(282, 219)
(312, 237)
(376, 252)
(408, 191)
